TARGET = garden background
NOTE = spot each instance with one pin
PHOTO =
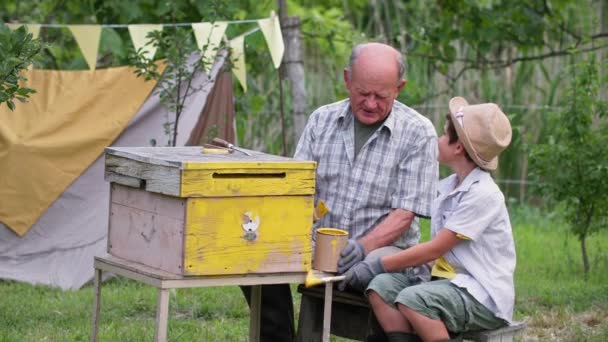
(544, 62)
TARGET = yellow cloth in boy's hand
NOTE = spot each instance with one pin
(443, 269)
(320, 211)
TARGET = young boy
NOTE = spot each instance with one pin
(472, 243)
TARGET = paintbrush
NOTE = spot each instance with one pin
(314, 278)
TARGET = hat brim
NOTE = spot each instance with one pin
(455, 104)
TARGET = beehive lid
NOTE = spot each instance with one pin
(188, 172)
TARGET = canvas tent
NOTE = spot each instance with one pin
(53, 197)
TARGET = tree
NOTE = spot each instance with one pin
(18, 50)
(174, 85)
(572, 167)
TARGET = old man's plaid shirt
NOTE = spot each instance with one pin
(396, 168)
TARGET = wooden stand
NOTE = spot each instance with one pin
(165, 281)
(353, 319)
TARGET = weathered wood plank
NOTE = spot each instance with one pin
(163, 205)
(147, 228)
(158, 178)
(499, 335)
(124, 180)
(178, 156)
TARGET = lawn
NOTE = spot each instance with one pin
(553, 297)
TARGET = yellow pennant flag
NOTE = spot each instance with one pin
(34, 29)
(138, 35)
(208, 37)
(87, 37)
(271, 28)
(238, 60)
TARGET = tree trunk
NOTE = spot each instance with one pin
(583, 240)
(378, 21)
(293, 64)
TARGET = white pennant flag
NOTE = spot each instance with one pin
(87, 37)
(34, 29)
(138, 35)
(271, 28)
(238, 60)
(208, 37)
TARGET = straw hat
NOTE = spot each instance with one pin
(483, 129)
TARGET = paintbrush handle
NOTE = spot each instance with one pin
(333, 279)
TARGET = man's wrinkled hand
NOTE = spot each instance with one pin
(352, 253)
(359, 276)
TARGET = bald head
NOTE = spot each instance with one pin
(377, 54)
(374, 80)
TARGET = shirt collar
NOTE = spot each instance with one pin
(447, 186)
(389, 123)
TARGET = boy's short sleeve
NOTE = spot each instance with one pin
(474, 214)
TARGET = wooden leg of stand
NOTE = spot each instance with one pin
(96, 302)
(254, 320)
(162, 315)
(329, 287)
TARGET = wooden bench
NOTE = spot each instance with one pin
(350, 315)
(506, 334)
(352, 318)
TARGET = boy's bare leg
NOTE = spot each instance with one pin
(428, 329)
(387, 315)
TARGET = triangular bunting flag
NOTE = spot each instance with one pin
(34, 29)
(238, 60)
(87, 37)
(138, 35)
(208, 37)
(271, 28)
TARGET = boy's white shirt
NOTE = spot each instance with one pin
(484, 264)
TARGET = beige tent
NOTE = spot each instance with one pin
(53, 197)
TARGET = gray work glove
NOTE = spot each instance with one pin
(352, 253)
(359, 276)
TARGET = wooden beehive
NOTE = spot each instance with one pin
(186, 212)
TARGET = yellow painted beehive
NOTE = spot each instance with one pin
(186, 212)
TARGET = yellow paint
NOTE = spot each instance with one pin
(249, 165)
(210, 150)
(215, 243)
(312, 279)
(321, 209)
(238, 181)
(332, 231)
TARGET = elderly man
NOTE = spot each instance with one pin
(376, 171)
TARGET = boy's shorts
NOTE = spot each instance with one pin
(439, 300)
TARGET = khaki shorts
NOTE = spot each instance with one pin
(439, 300)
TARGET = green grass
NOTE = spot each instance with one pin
(551, 295)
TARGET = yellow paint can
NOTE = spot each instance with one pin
(329, 243)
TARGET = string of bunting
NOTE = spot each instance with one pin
(208, 37)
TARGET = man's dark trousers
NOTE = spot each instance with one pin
(277, 319)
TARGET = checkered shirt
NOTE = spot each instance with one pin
(396, 168)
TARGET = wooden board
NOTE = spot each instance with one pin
(215, 242)
(147, 228)
(186, 172)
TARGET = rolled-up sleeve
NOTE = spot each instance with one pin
(417, 178)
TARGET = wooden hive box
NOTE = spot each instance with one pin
(189, 213)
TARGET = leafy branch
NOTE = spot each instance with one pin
(18, 50)
(174, 85)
